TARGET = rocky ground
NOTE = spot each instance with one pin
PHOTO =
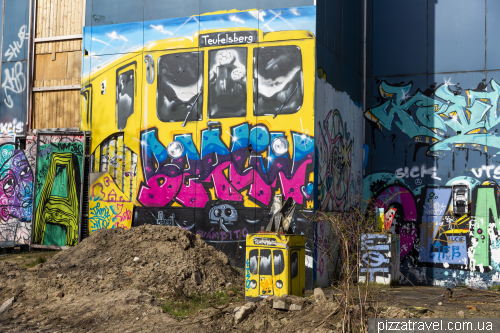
(163, 279)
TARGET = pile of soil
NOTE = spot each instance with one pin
(113, 280)
(150, 258)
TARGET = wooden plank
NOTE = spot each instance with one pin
(46, 112)
(58, 38)
(71, 30)
(59, 23)
(57, 88)
(74, 64)
(65, 23)
(46, 69)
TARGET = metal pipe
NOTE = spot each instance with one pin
(31, 61)
(364, 68)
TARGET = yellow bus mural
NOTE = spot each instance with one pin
(202, 120)
(226, 115)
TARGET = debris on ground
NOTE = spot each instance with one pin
(158, 278)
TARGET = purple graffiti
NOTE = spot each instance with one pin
(256, 159)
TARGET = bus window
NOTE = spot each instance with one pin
(278, 261)
(180, 87)
(278, 85)
(227, 93)
(253, 262)
(124, 97)
(265, 267)
(294, 262)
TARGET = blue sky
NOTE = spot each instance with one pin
(108, 42)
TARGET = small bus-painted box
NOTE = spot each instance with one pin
(275, 265)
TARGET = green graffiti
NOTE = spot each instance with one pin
(486, 206)
(57, 213)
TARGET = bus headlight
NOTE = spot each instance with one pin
(279, 146)
(175, 149)
(279, 284)
(253, 284)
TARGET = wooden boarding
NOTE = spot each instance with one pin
(59, 18)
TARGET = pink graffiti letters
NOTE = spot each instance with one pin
(249, 162)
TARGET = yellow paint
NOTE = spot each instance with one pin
(176, 204)
(212, 193)
(246, 201)
(108, 205)
(104, 121)
(275, 265)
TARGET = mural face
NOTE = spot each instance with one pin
(16, 190)
(16, 184)
(424, 142)
(217, 111)
(57, 197)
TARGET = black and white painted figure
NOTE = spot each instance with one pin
(124, 98)
(227, 95)
(180, 87)
(224, 215)
(278, 83)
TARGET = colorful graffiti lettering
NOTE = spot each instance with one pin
(439, 112)
(168, 179)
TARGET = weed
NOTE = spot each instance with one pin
(495, 287)
(181, 305)
(39, 260)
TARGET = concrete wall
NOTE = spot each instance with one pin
(338, 120)
(431, 120)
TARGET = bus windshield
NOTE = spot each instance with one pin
(278, 86)
(180, 87)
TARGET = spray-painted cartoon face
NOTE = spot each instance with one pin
(223, 214)
(16, 184)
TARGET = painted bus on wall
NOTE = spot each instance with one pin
(201, 131)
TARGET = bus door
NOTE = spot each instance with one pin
(294, 272)
(280, 282)
(266, 273)
(283, 102)
(172, 109)
(227, 109)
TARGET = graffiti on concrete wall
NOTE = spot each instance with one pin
(380, 258)
(109, 208)
(444, 116)
(58, 186)
(227, 170)
(422, 142)
(339, 147)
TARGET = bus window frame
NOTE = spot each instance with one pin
(158, 77)
(249, 48)
(255, 83)
(119, 71)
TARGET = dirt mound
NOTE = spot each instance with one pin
(148, 258)
(114, 280)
